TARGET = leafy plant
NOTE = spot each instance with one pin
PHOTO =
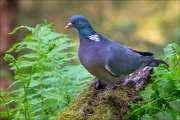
(163, 91)
(45, 81)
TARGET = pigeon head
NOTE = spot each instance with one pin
(79, 22)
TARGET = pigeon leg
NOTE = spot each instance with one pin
(98, 84)
(110, 86)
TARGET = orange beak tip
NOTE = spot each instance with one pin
(68, 26)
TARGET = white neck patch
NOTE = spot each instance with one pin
(94, 37)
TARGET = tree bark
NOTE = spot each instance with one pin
(111, 104)
(8, 21)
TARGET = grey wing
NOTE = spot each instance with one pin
(121, 60)
(142, 53)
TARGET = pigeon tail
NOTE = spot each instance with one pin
(151, 62)
(156, 63)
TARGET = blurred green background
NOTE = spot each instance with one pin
(140, 24)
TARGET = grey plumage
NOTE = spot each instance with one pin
(106, 59)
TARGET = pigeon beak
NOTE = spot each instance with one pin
(68, 26)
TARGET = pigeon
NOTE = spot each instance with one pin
(106, 59)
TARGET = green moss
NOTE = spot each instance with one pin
(117, 97)
(71, 115)
(103, 112)
(75, 110)
(96, 105)
(72, 112)
(110, 102)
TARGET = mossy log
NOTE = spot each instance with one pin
(103, 104)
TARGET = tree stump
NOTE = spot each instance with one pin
(111, 104)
